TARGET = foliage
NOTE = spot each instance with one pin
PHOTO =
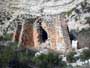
(1, 38)
(7, 37)
(88, 20)
(85, 55)
(10, 55)
(25, 55)
(6, 54)
(41, 61)
(49, 61)
(70, 57)
(22, 56)
(13, 45)
(70, 12)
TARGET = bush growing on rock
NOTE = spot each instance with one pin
(6, 55)
(49, 60)
(70, 57)
(85, 55)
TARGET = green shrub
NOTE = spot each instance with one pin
(25, 55)
(22, 56)
(13, 45)
(85, 55)
(6, 55)
(49, 61)
(70, 57)
(7, 37)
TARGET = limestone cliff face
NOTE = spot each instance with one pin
(57, 34)
(28, 36)
(56, 38)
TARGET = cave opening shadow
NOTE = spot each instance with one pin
(43, 35)
(73, 35)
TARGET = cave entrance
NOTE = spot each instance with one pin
(43, 35)
(73, 35)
